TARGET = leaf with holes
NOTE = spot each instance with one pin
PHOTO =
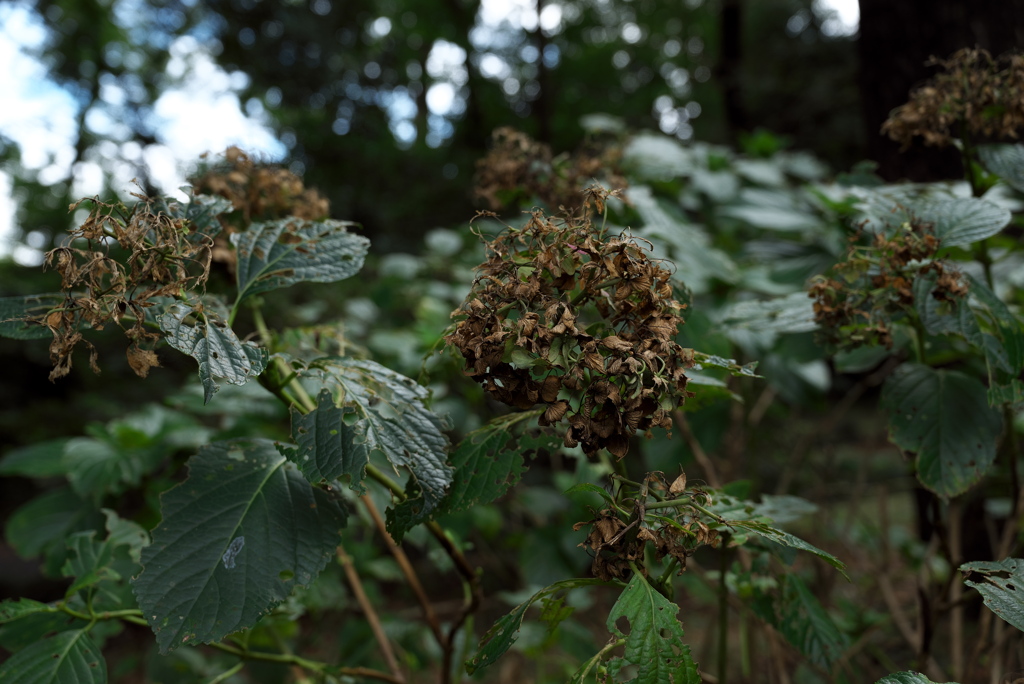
(69, 657)
(201, 212)
(214, 345)
(1001, 584)
(236, 538)
(327, 447)
(279, 253)
(654, 643)
(944, 418)
(14, 311)
(395, 421)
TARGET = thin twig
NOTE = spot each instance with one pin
(710, 473)
(410, 573)
(370, 613)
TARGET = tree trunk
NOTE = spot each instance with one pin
(896, 38)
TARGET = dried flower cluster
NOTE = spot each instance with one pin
(614, 543)
(165, 255)
(261, 191)
(581, 323)
(975, 91)
(877, 285)
(519, 169)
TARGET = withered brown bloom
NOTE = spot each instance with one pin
(580, 323)
(974, 94)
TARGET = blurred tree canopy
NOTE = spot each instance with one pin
(385, 105)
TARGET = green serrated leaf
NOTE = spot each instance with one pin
(484, 467)
(394, 421)
(785, 539)
(279, 253)
(505, 631)
(805, 624)
(590, 487)
(793, 313)
(214, 345)
(41, 526)
(907, 677)
(39, 460)
(201, 211)
(1012, 393)
(1000, 584)
(1006, 161)
(126, 533)
(65, 658)
(327, 446)
(944, 418)
(944, 318)
(14, 309)
(960, 221)
(654, 644)
(13, 609)
(1009, 326)
(89, 561)
(236, 538)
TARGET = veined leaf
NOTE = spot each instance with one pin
(201, 211)
(654, 644)
(907, 677)
(802, 620)
(41, 526)
(1009, 326)
(394, 421)
(126, 533)
(1006, 161)
(236, 538)
(944, 418)
(214, 345)
(505, 631)
(1000, 584)
(42, 459)
(279, 253)
(14, 609)
(960, 221)
(68, 657)
(785, 539)
(484, 467)
(328, 448)
(14, 309)
(1012, 393)
(790, 314)
(944, 318)
(89, 561)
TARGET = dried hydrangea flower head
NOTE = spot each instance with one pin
(580, 323)
(975, 95)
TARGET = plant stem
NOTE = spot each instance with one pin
(723, 617)
(312, 665)
(226, 674)
(370, 613)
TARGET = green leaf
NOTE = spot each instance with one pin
(505, 631)
(944, 318)
(805, 624)
(712, 361)
(485, 467)
(785, 539)
(772, 210)
(907, 677)
(89, 561)
(394, 421)
(279, 253)
(1009, 325)
(14, 309)
(1000, 584)
(39, 460)
(654, 644)
(201, 211)
(328, 447)
(41, 526)
(793, 313)
(65, 658)
(1012, 393)
(236, 538)
(126, 533)
(944, 418)
(590, 487)
(214, 345)
(13, 609)
(122, 452)
(1006, 161)
(960, 221)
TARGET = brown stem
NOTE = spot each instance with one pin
(410, 574)
(710, 473)
(370, 613)
(473, 600)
